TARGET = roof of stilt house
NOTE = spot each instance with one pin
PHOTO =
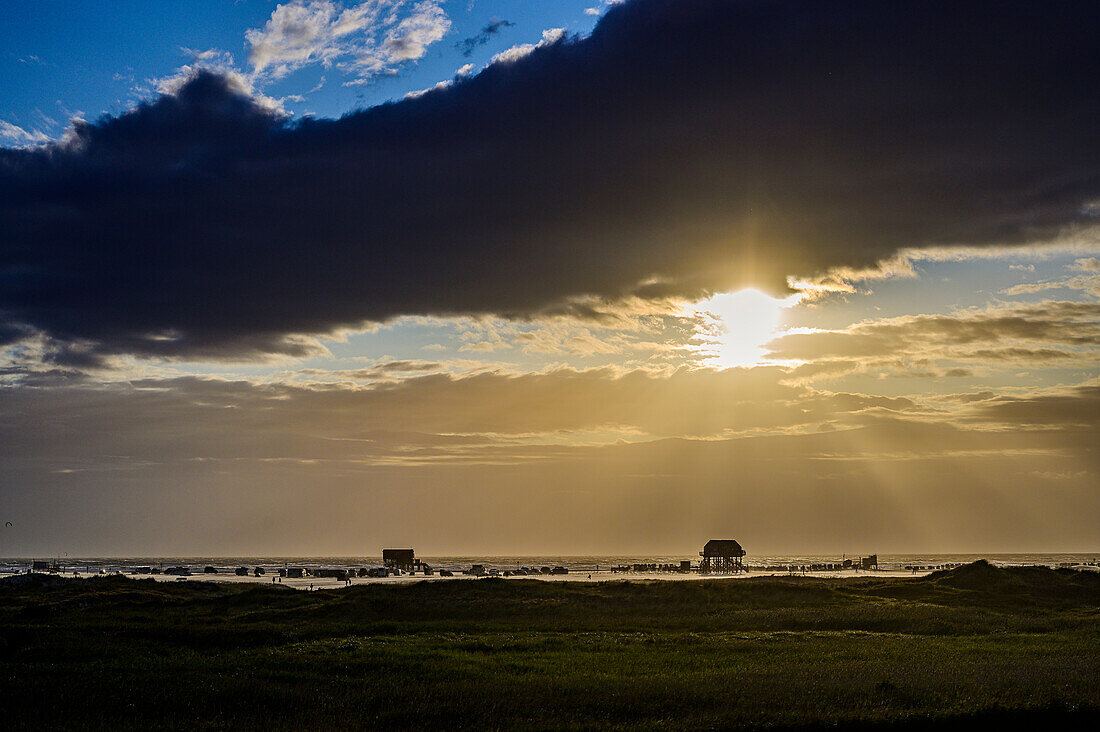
(723, 548)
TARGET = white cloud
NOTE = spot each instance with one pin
(210, 55)
(515, 53)
(485, 346)
(597, 10)
(224, 64)
(237, 81)
(367, 39)
(421, 92)
(1077, 241)
(462, 71)
(412, 36)
(1089, 283)
(299, 33)
(20, 136)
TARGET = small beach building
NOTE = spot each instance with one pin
(721, 556)
(340, 574)
(403, 559)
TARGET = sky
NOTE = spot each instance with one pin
(549, 277)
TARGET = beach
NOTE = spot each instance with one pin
(331, 583)
(604, 568)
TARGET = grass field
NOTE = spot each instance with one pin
(972, 645)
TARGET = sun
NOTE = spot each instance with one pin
(738, 324)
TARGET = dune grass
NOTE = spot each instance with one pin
(976, 644)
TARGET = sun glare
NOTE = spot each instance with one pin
(739, 324)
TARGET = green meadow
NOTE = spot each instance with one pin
(971, 645)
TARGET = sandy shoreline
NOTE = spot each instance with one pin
(329, 583)
(226, 573)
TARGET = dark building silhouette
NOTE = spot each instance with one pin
(340, 574)
(403, 559)
(722, 556)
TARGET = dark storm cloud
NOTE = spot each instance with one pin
(683, 147)
(469, 45)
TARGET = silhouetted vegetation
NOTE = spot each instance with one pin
(958, 648)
